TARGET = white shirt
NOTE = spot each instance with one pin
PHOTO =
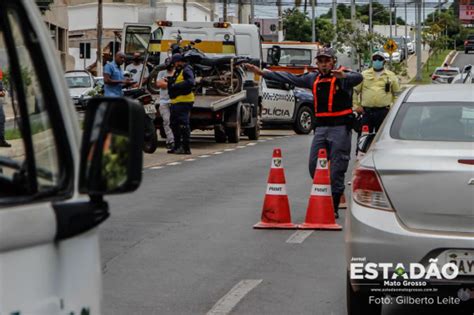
(136, 71)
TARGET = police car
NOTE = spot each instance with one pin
(285, 105)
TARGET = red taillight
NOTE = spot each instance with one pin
(221, 24)
(466, 161)
(434, 77)
(164, 23)
(368, 191)
(465, 42)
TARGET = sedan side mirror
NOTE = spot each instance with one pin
(364, 142)
(112, 142)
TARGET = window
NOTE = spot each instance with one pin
(136, 39)
(298, 57)
(31, 166)
(435, 122)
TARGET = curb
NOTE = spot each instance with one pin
(450, 57)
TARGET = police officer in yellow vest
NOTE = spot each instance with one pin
(180, 89)
(376, 93)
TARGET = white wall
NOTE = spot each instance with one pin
(84, 17)
(79, 63)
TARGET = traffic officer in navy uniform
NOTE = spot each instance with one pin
(332, 92)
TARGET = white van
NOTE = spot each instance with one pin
(51, 184)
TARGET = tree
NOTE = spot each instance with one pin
(297, 26)
(380, 13)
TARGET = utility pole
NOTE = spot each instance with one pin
(353, 12)
(390, 9)
(280, 22)
(185, 10)
(224, 11)
(252, 11)
(99, 39)
(418, 40)
(313, 22)
(371, 25)
(406, 33)
(334, 19)
(395, 17)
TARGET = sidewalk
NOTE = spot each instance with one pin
(411, 65)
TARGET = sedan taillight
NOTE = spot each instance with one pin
(368, 191)
(434, 77)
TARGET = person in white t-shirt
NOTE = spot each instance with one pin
(165, 104)
(136, 68)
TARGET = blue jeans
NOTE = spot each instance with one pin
(180, 114)
(337, 141)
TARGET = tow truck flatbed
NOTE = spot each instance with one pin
(216, 103)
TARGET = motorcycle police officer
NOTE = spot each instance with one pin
(332, 93)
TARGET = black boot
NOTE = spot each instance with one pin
(336, 199)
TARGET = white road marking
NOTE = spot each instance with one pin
(174, 163)
(270, 138)
(262, 140)
(217, 153)
(156, 167)
(229, 150)
(251, 143)
(298, 237)
(240, 146)
(190, 160)
(232, 298)
(204, 156)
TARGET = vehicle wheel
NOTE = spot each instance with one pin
(227, 89)
(151, 84)
(254, 133)
(151, 145)
(233, 134)
(151, 138)
(357, 302)
(304, 121)
(219, 134)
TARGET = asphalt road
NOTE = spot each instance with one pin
(184, 243)
(463, 59)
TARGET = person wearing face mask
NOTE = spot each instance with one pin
(376, 93)
(136, 68)
(332, 93)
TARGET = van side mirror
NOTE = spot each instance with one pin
(364, 142)
(274, 55)
(111, 150)
(467, 69)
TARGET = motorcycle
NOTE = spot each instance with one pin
(144, 97)
(223, 74)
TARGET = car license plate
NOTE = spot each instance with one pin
(464, 259)
(150, 109)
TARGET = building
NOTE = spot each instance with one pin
(57, 22)
(83, 20)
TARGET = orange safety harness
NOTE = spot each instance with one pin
(332, 92)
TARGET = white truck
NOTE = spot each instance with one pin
(52, 184)
(229, 116)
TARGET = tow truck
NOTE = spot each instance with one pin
(229, 116)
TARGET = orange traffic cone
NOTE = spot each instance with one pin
(276, 207)
(320, 212)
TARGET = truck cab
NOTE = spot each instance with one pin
(52, 183)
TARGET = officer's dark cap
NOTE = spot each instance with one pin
(326, 52)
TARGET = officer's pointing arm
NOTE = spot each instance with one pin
(303, 81)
